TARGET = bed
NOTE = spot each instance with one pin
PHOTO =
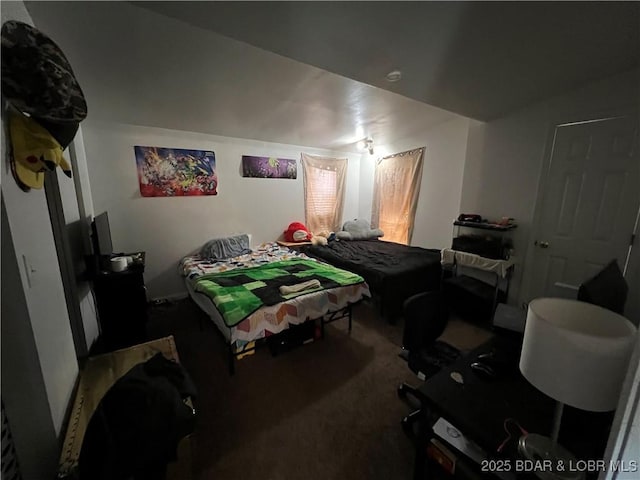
(393, 271)
(249, 296)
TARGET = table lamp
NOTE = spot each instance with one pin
(576, 353)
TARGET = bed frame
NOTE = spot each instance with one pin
(325, 319)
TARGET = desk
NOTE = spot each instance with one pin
(479, 407)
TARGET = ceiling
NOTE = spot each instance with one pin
(313, 73)
(478, 59)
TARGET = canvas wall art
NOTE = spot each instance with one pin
(176, 172)
(268, 167)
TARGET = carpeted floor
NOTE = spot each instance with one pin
(326, 410)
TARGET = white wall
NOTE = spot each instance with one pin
(169, 228)
(43, 305)
(23, 388)
(505, 158)
(440, 189)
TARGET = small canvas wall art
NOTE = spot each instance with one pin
(268, 167)
(175, 172)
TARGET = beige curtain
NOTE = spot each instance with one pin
(395, 194)
(324, 185)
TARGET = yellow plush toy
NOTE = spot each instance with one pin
(319, 239)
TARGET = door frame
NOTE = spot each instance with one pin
(67, 273)
(525, 294)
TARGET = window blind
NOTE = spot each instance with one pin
(324, 180)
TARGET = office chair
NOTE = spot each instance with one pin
(425, 318)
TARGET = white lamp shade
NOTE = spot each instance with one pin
(576, 353)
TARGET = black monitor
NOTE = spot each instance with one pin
(101, 235)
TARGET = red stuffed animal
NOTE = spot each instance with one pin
(297, 232)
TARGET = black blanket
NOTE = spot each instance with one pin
(393, 271)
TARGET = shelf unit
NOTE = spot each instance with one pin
(485, 226)
(492, 242)
(469, 295)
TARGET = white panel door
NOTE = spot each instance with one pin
(589, 204)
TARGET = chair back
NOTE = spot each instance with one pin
(425, 318)
(607, 289)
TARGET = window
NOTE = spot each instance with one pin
(324, 180)
(395, 194)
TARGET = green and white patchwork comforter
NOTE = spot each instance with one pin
(240, 292)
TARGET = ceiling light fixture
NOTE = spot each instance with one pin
(394, 76)
(366, 144)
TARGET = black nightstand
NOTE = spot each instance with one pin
(122, 304)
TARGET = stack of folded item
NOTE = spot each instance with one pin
(299, 287)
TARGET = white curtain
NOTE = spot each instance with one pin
(395, 194)
(324, 185)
